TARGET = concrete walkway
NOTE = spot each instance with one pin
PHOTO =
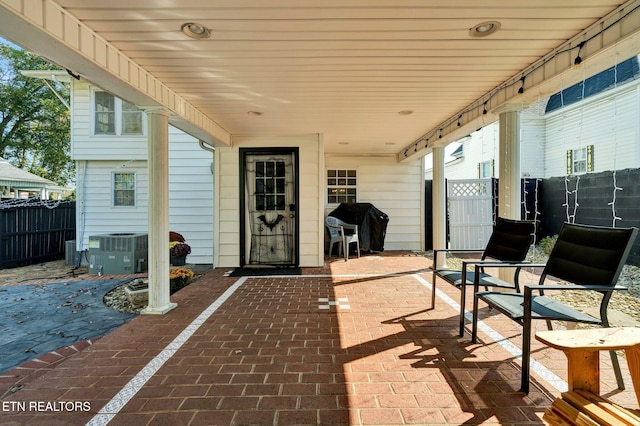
(348, 344)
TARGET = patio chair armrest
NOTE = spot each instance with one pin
(436, 251)
(350, 226)
(481, 264)
(507, 264)
(458, 250)
(498, 264)
(530, 287)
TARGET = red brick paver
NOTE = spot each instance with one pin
(352, 343)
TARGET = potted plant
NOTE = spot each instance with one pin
(179, 278)
(178, 249)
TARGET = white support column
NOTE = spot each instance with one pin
(439, 205)
(158, 166)
(509, 191)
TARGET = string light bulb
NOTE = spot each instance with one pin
(521, 89)
(578, 59)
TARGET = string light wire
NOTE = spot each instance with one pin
(616, 188)
(541, 64)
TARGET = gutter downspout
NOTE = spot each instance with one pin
(208, 147)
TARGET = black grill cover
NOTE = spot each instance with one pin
(372, 223)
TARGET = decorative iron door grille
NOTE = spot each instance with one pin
(270, 204)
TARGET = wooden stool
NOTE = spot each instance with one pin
(582, 404)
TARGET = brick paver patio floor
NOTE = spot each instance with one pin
(349, 344)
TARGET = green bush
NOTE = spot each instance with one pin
(547, 243)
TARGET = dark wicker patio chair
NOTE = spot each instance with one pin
(586, 258)
(509, 242)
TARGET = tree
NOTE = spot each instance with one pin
(34, 123)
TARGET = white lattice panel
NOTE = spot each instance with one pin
(470, 213)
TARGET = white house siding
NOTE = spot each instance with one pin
(227, 231)
(191, 195)
(97, 158)
(395, 188)
(228, 197)
(608, 121)
(532, 143)
(95, 213)
(86, 146)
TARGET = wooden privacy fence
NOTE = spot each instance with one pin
(35, 231)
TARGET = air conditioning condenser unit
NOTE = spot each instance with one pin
(114, 254)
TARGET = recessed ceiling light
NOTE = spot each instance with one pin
(254, 113)
(195, 30)
(405, 112)
(484, 29)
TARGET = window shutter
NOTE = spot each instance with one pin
(479, 170)
(569, 161)
(590, 167)
(493, 168)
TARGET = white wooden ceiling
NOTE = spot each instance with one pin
(344, 68)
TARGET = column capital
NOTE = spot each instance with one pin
(157, 110)
(509, 108)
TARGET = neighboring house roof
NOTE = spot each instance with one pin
(458, 153)
(18, 178)
(608, 79)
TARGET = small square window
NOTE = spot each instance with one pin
(486, 169)
(580, 160)
(341, 186)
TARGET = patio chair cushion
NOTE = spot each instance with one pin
(455, 277)
(512, 305)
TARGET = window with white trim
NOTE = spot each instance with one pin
(124, 189)
(485, 169)
(580, 160)
(342, 185)
(114, 116)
